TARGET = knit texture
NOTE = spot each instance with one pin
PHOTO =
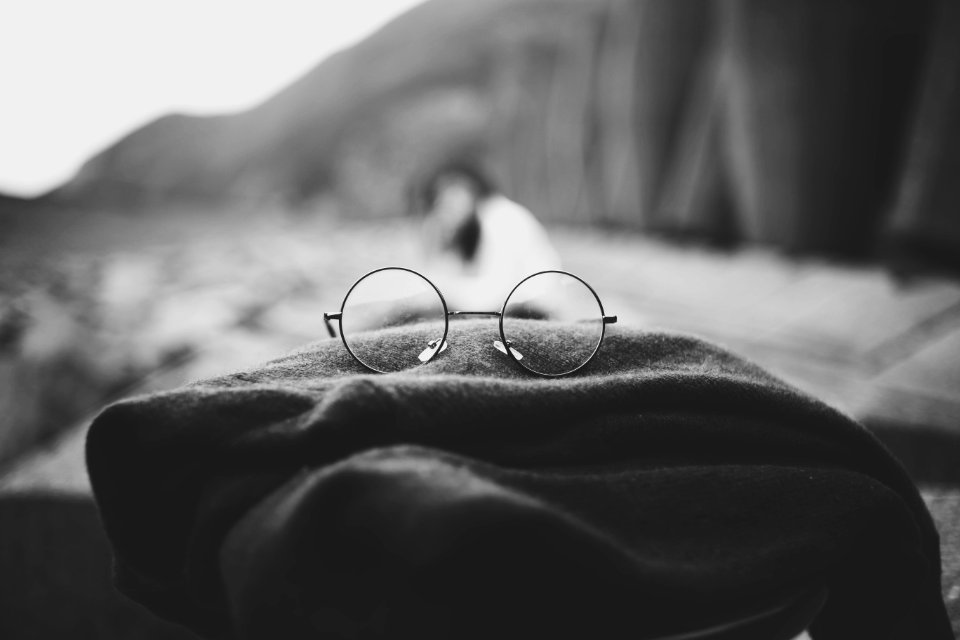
(667, 486)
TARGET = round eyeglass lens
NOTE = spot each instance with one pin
(553, 323)
(404, 309)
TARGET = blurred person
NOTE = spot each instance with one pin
(476, 240)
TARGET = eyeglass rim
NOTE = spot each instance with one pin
(603, 324)
(443, 301)
(446, 319)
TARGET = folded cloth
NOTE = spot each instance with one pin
(668, 486)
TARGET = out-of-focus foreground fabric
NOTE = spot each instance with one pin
(671, 486)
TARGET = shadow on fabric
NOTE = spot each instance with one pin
(56, 566)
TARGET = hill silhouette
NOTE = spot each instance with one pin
(431, 84)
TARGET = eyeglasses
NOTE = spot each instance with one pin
(551, 324)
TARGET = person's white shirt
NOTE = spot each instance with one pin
(512, 245)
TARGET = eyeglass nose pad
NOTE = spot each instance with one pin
(499, 347)
(432, 347)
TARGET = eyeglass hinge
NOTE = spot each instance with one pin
(609, 319)
(327, 317)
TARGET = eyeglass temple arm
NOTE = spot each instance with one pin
(327, 317)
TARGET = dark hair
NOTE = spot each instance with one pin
(479, 180)
(466, 239)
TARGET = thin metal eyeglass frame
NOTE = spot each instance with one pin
(338, 316)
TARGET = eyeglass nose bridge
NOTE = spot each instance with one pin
(495, 314)
(499, 346)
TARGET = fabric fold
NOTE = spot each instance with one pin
(670, 484)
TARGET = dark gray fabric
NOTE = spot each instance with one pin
(668, 486)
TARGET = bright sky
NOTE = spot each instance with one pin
(75, 75)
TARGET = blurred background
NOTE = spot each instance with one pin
(186, 186)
